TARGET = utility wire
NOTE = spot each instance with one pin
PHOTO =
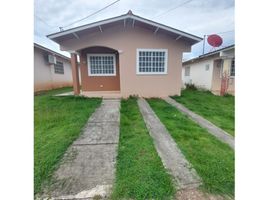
(61, 28)
(171, 9)
(40, 19)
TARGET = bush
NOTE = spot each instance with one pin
(190, 86)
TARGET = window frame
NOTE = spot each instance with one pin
(152, 50)
(101, 54)
(232, 76)
(187, 67)
(57, 61)
(207, 66)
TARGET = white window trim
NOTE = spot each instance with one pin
(100, 54)
(151, 73)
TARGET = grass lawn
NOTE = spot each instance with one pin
(217, 109)
(212, 159)
(57, 123)
(139, 172)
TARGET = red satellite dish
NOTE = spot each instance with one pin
(214, 40)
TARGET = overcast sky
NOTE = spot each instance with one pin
(198, 17)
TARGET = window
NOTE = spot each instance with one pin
(207, 67)
(101, 65)
(58, 68)
(232, 71)
(152, 61)
(187, 71)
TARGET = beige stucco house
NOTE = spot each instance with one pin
(51, 69)
(214, 71)
(126, 55)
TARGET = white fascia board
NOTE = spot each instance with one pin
(166, 28)
(96, 24)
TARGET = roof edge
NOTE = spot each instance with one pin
(51, 51)
(209, 54)
(122, 17)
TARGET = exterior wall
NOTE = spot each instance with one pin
(126, 40)
(44, 76)
(198, 74)
(99, 83)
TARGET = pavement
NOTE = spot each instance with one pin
(173, 160)
(87, 170)
(211, 128)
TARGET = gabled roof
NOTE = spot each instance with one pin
(50, 51)
(74, 32)
(209, 54)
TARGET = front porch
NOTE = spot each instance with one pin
(99, 72)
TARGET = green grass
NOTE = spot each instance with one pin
(57, 123)
(217, 109)
(139, 172)
(212, 159)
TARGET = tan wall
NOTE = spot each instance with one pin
(44, 76)
(216, 79)
(126, 41)
(99, 83)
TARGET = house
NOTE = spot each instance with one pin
(126, 55)
(51, 69)
(214, 71)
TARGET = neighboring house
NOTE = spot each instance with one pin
(214, 71)
(126, 55)
(51, 69)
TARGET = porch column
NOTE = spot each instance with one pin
(76, 84)
(225, 75)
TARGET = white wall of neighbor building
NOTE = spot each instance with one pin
(199, 76)
(45, 77)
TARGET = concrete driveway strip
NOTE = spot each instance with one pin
(173, 159)
(88, 167)
(212, 129)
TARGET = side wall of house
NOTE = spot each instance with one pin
(44, 74)
(42, 71)
(62, 80)
(126, 40)
(199, 75)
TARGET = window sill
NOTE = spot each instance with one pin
(102, 75)
(164, 73)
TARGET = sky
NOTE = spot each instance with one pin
(198, 17)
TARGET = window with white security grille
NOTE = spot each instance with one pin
(58, 68)
(152, 61)
(101, 65)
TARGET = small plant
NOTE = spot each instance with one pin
(228, 95)
(190, 86)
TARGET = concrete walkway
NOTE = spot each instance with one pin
(214, 130)
(88, 167)
(173, 159)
